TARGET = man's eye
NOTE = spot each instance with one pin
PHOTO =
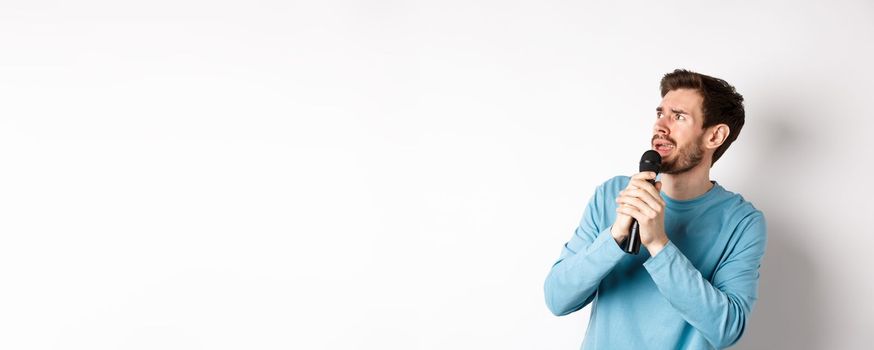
(659, 115)
(681, 117)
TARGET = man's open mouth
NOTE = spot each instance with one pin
(663, 147)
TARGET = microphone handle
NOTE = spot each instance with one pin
(632, 244)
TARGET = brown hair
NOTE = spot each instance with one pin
(722, 104)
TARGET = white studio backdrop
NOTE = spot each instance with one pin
(399, 174)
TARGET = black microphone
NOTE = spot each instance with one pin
(650, 161)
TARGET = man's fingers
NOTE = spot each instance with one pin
(623, 220)
(646, 199)
(641, 189)
(648, 188)
(644, 175)
(631, 211)
(638, 204)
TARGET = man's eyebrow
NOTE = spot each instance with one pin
(675, 110)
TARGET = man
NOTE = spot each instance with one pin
(694, 285)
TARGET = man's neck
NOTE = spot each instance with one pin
(688, 185)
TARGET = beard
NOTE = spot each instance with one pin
(684, 160)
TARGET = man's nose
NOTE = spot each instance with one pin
(661, 127)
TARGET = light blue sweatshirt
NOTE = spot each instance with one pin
(695, 294)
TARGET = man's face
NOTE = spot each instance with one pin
(677, 133)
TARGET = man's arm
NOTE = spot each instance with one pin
(718, 310)
(584, 261)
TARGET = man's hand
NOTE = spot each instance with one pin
(641, 201)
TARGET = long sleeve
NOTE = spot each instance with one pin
(718, 309)
(584, 261)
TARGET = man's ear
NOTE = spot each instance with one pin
(716, 135)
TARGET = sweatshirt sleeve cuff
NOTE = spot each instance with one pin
(606, 245)
(664, 258)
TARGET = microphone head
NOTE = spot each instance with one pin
(651, 161)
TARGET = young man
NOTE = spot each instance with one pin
(694, 285)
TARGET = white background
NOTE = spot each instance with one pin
(399, 175)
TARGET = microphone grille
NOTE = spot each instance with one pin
(650, 161)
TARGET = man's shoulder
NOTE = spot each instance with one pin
(611, 187)
(739, 204)
(614, 184)
(746, 218)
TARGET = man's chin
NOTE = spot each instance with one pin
(665, 152)
(670, 166)
(669, 157)
(666, 169)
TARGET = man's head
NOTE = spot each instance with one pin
(699, 116)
